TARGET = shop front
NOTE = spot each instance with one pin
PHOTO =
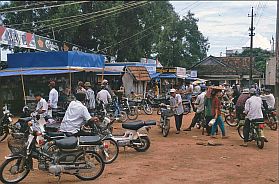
(30, 73)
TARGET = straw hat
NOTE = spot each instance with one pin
(87, 84)
(172, 90)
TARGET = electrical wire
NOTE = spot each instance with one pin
(44, 7)
(70, 17)
(24, 6)
(146, 29)
(93, 17)
(150, 32)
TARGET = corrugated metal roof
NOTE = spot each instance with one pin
(139, 73)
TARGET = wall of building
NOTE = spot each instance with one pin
(270, 72)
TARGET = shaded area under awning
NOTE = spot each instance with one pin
(4, 73)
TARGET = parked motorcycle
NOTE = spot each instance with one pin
(143, 104)
(130, 109)
(69, 155)
(5, 123)
(108, 150)
(113, 111)
(256, 133)
(271, 119)
(132, 136)
(166, 113)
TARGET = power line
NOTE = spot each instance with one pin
(95, 16)
(69, 17)
(145, 29)
(51, 6)
(23, 6)
(114, 13)
(148, 33)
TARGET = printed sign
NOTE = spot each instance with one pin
(166, 70)
(46, 44)
(180, 72)
(194, 73)
(16, 38)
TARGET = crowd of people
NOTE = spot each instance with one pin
(208, 104)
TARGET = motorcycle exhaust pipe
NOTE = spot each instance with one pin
(70, 169)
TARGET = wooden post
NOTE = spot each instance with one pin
(70, 82)
(23, 88)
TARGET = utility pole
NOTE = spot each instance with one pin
(251, 29)
(277, 59)
(53, 33)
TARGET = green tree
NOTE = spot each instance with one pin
(260, 55)
(146, 30)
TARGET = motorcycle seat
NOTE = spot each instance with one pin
(61, 114)
(150, 122)
(67, 143)
(135, 125)
(52, 127)
(25, 120)
(54, 135)
(90, 140)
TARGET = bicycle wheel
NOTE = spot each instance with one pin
(230, 120)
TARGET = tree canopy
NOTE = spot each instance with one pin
(260, 55)
(128, 30)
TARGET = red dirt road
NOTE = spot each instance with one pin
(178, 159)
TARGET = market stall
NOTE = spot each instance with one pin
(19, 84)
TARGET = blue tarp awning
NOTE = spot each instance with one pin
(55, 60)
(155, 75)
(163, 75)
(10, 72)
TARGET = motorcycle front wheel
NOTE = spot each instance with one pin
(145, 144)
(10, 172)
(90, 161)
(133, 113)
(110, 151)
(4, 132)
(166, 128)
(147, 109)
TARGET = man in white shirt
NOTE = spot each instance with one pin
(52, 98)
(75, 116)
(199, 103)
(42, 105)
(41, 110)
(253, 111)
(103, 95)
(90, 97)
(269, 98)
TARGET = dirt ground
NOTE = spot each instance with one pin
(178, 159)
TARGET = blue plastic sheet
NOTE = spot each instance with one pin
(55, 59)
(3, 73)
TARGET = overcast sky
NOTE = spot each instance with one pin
(226, 23)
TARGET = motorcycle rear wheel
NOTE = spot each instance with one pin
(145, 144)
(260, 142)
(240, 132)
(166, 128)
(98, 161)
(12, 168)
(133, 114)
(4, 132)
